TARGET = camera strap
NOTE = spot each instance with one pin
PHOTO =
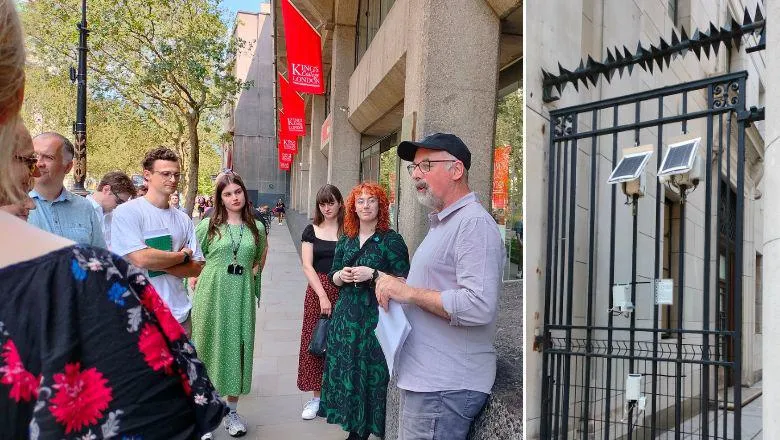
(235, 246)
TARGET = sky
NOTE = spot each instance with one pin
(232, 6)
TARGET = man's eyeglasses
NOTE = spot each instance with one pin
(169, 175)
(425, 165)
(31, 161)
(119, 200)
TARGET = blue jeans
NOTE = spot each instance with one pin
(441, 415)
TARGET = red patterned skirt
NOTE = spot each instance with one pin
(310, 367)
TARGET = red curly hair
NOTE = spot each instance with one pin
(351, 220)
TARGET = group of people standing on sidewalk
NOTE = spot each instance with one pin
(98, 344)
(356, 264)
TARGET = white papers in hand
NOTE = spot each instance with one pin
(391, 331)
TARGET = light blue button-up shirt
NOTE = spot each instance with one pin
(68, 216)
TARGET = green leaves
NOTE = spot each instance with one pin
(167, 62)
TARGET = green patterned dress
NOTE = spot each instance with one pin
(354, 384)
(223, 309)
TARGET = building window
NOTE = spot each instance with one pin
(759, 291)
(371, 14)
(679, 12)
(379, 163)
(507, 188)
(672, 10)
(671, 253)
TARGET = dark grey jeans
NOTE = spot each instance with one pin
(441, 415)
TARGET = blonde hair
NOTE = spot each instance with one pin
(12, 58)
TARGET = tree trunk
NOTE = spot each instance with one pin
(193, 118)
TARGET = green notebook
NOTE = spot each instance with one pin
(159, 239)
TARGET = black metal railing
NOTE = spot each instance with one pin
(595, 241)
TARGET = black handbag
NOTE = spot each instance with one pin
(319, 336)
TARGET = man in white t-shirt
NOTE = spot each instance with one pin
(153, 236)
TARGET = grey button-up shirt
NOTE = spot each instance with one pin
(462, 257)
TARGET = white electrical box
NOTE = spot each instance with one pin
(664, 292)
(621, 298)
(634, 387)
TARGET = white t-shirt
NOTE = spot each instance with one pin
(138, 220)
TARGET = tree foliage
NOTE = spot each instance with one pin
(170, 60)
(118, 134)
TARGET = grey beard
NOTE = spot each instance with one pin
(428, 200)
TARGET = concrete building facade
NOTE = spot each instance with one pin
(398, 70)
(590, 28)
(251, 152)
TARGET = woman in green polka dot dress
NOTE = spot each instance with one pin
(223, 310)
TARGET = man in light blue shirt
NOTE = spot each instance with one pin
(57, 210)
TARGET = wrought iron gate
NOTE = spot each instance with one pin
(686, 362)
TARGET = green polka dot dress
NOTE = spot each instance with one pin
(223, 309)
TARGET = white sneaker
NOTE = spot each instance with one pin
(207, 436)
(310, 410)
(233, 425)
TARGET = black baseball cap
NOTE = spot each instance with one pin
(437, 141)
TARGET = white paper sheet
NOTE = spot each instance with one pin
(391, 331)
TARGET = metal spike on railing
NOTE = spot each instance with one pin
(684, 41)
(759, 16)
(661, 55)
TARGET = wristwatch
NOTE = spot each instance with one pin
(375, 276)
(186, 258)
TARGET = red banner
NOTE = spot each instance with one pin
(288, 144)
(501, 176)
(284, 166)
(304, 51)
(293, 119)
(285, 157)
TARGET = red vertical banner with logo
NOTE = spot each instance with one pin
(285, 157)
(288, 145)
(304, 51)
(501, 177)
(294, 119)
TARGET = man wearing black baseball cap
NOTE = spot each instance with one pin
(447, 365)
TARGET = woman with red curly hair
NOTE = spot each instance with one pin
(354, 384)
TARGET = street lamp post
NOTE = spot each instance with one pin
(80, 126)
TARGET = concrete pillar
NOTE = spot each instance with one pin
(303, 178)
(293, 183)
(451, 85)
(344, 156)
(318, 163)
(771, 198)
